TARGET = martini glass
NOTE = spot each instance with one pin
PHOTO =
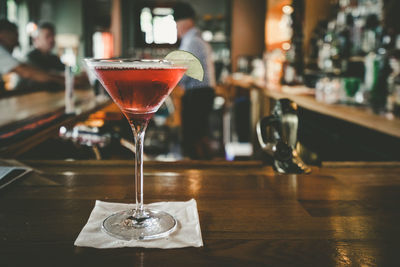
(138, 87)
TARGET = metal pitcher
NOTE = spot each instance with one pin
(277, 135)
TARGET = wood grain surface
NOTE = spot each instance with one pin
(340, 215)
(31, 106)
(21, 107)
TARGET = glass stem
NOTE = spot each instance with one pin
(138, 133)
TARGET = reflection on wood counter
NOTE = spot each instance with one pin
(28, 119)
(21, 107)
(341, 214)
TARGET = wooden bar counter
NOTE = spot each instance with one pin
(28, 119)
(303, 97)
(343, 214)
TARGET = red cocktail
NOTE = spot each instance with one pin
(139, 87)
(139, 92)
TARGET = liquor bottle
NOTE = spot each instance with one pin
(379, 90)
(371, 33)
(396, 95)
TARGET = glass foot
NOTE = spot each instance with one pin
(128, 225)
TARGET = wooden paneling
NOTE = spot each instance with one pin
(116, 27)
(274, 36)
(315, 11)
(248, 18)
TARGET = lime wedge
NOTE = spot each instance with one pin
(195, 69)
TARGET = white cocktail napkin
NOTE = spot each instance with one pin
(187, 233)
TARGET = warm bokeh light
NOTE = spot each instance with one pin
(286, 46)
(287, 9)
(278, 24)
(31, 28)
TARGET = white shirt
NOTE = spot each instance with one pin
(193, 43)
(7, 62)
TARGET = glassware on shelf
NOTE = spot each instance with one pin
(332, 90)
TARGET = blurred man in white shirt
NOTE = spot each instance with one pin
(198, 99)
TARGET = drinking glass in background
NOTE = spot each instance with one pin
(69, 90)
(351, 85)
(345, 90)
(328, 90)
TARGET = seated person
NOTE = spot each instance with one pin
(8, 64)
(41, 56)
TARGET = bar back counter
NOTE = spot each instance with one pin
(336, 132)
(29, 119)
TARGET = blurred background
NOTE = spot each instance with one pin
(337, 59)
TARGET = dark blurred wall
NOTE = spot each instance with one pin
(315, 11)
(248, 29)
(391, 9)
(3, 8)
